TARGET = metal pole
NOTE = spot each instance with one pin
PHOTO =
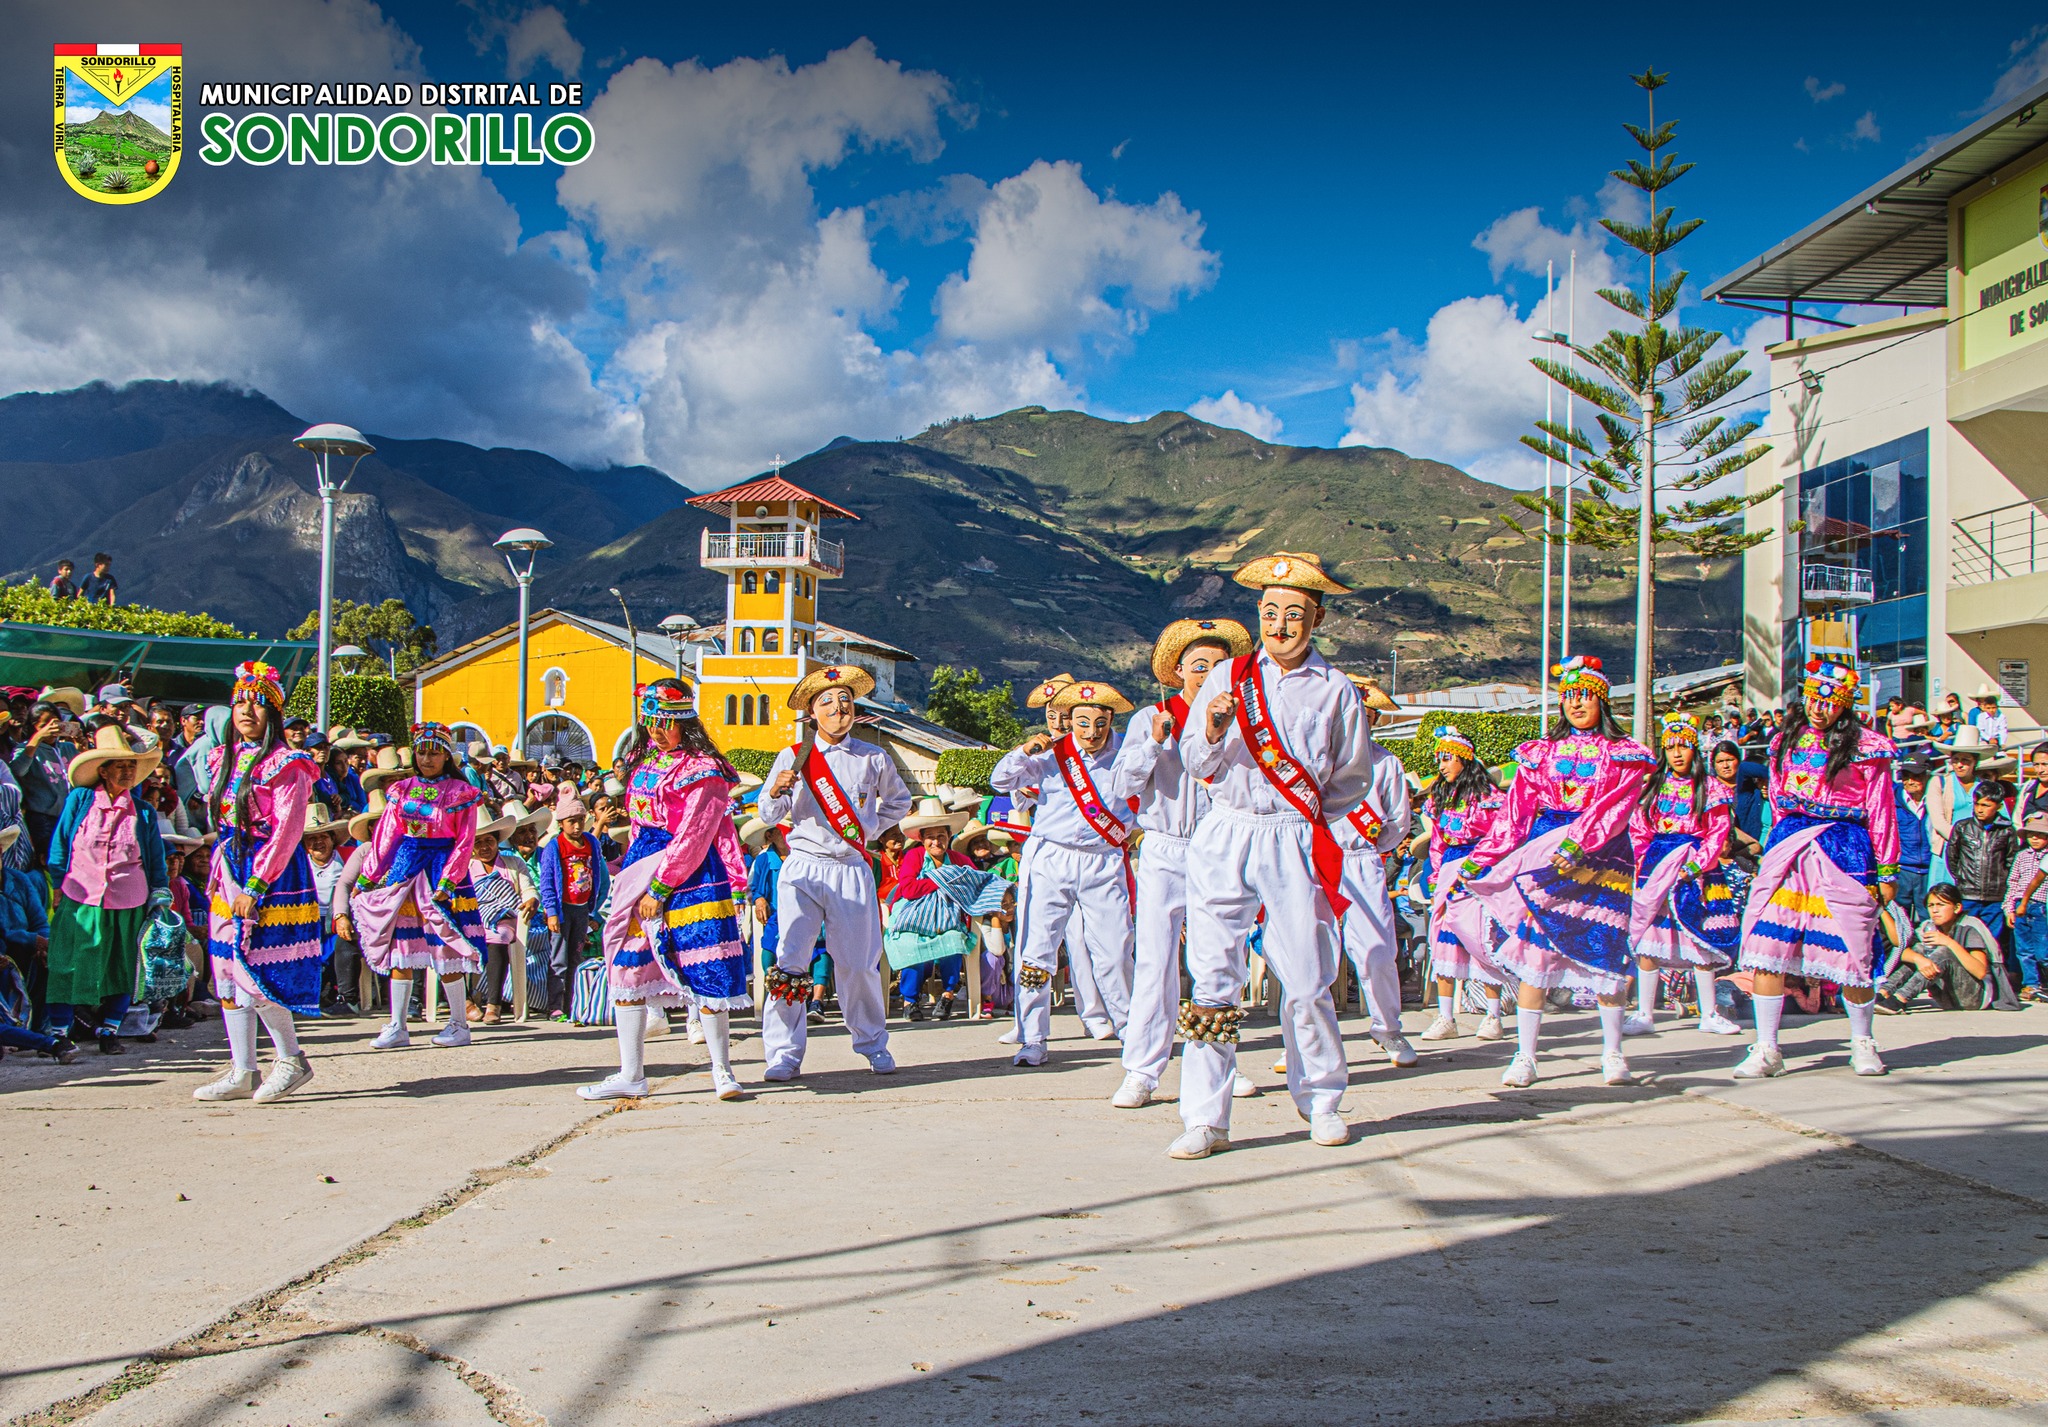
(633, 643)
(1646, 567)
(525, 586)
(326, 591)
(1571, 302)
(1549, 387)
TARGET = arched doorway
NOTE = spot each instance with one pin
(559, 734)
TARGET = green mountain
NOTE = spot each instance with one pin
(132, 127)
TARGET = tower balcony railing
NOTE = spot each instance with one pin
(798, 548)
(2000, 544)
(1836, 584)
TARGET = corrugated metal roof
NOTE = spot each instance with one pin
(1889, 244)
(766, 488)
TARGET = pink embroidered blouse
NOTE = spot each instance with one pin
(1460, 825)
(280, 789)
(1861, 793)
(684, 795)
(430, 808)
(105, 866)
(1672, 812)
(1595, 778)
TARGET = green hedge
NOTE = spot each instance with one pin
(757, 761)
(33, 604)
(1495, 735)
(367, 703)
(968, 767)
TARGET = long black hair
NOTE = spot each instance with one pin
(245, 808)
(1562, 727)
(694, 740)
(1700, 773)
(1843, 736)
(1469, 788)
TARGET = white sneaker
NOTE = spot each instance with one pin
(1521, 1072)
(1010, 1037)
(1443, 1028)
(287, 1075)
(1029, 1055)
(1614, 1069)
(657, 1023)
(453, 1034)
(1199, 1143)
(1134, 1094)
(1638, 1024)
(1398, 1050)
(1863, 1057)
(392, 1037)
(696, 1031)
(1489, 1028)
(780, 1072)
(1716, 1024)
(233, 1085)
(725, 1085)
(1243, 1087)
(614, 1087)
(1329, 1128)
(1761, 1063)
(1280, 1066)
(1102, 1032)
(882, 1063)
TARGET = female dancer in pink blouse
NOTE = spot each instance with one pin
(264, 927)
(1458, 807)
(673, 936)
(1555, 870)
(1684, 914)
(413, 905)
(1833, 855)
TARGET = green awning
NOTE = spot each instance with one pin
(158, 665)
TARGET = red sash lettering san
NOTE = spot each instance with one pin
(1289, 779)
(831, 798)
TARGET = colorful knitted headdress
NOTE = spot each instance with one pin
(1450, 740)
(1581, 671)
(1676, 729)
(1831, 683)
(262, 680)
(438, 734)
(666, 703)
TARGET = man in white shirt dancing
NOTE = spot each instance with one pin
(843, 794)
(1282, 738)
(1367, 833)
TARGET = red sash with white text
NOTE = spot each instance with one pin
(1289, 779)
(832, 799)
(1176, 708)
(1106, 825)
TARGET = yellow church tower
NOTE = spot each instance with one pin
(773, 553)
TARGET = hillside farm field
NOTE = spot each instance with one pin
(95, 156)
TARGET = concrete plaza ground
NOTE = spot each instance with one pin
(434, 1236)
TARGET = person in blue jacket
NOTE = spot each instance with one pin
(573, 883)
(1916, 846)
(24, 941)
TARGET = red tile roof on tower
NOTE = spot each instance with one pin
(766, 489)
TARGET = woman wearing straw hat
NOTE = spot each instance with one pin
(673, 936)
(107, 859)
(413, 905)
(264, 924)
(926, 927)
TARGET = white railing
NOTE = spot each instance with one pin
(781, 547)
(1998, 544)
(1836, 584)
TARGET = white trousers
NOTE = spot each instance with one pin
(1065, 881)
(1369, 939)
(839, 897)
(1155, 975)
(1236, 863)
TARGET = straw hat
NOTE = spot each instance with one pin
(65, 694)
(754, 832)
(1091, 694)
(108, 744)
(346, 739)
(1291, 570)
(930, 812)
(1040, 696)
(832, 676)
(318, 820)
(1967, 740)
(522, 816)
(498, 826)
(1174, 640)
(1987, 691)
(975, 828)
(960, 800)
(392, 764)
(747, 783)
(2036, 822)
(361, 825)
(1375, 697)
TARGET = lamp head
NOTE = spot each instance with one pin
(331, 438)
(1544, 334)
(524, 538)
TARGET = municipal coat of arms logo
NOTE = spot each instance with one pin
(120, 122)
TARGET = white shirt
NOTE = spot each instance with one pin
(1390, 801)
(1320, 718)
(872, 786)
(1169, 800)
(1058, 818)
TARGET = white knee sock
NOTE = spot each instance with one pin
(1447, 1006)
(1863, 1017)
(632, 1041)
(1527, 1024)
(241, 1024)
(1492, 995)
(1610, 1028)
(1646, 992)
(718, 1038)
(454, 988)
(1703, 982)
(1769, 1011)
(401, 999)
(278, 1021)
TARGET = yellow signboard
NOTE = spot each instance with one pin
(2005, 269)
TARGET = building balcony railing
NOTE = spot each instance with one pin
(799, 548)
(1836, 584)
(1999, 544)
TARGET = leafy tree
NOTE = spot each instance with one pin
(32, 603)
(389, 630)
(1650, 384)
(956, 700)
(367, 703)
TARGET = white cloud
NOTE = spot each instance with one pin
(528, 36)
(1866, 130)
(2026, 65)
(1821, 93)
(1232, 410)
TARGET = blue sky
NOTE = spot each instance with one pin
(1337, 216)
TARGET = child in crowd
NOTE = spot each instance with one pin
(2026, 907)
(1949, 960)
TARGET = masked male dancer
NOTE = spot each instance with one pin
(1079, 860)
(842, 794)
(1367, 833)
(1170, 804)
(1023, 804)
(1282, 737)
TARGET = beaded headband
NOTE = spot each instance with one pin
(256, 677)
(1450, 740)
(1581, 671)
(1679, 729)
(1831, 683)
(666, 705)
(438, 734)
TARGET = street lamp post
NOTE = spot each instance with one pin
(530, 543)
(681, 630)
(325, 442)
(632, 643)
